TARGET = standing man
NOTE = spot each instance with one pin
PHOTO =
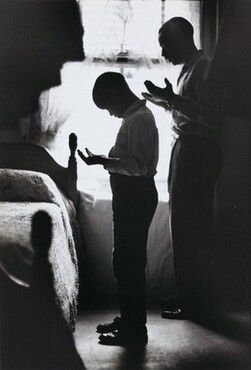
(132, 165)
(194, 166)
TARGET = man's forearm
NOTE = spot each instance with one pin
(198, 112)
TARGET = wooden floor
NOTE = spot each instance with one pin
(173, 345)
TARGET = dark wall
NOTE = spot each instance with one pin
(36, 38)
(231, 69)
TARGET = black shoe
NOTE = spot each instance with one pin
(109, 327)
(174, 314)
(120, 338)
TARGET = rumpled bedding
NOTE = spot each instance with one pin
(22, 194)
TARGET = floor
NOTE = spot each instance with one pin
(173, 345)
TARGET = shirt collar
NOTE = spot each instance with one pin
(192, 60)
(136, 105)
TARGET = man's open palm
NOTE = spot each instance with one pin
(158, 92)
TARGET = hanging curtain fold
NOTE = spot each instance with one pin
(232, 57)
(209, 25)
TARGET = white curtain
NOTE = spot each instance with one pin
(95, 219)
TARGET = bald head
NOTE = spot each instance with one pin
(177, 26)
(176, 39)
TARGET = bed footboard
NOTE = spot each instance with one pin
(23, 156)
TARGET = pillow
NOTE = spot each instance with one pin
(27, 186)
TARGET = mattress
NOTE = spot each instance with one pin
(15, 229)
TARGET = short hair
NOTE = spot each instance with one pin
(108, 88)
(181, 26)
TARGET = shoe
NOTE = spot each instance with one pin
(120, 338)
(110, 327)
(174, 314)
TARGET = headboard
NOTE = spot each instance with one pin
(33, 157)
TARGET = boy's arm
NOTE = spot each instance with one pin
(96, 159)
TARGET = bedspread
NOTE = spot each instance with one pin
(22, 194)
(15, 225)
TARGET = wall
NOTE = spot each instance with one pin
(231, 68)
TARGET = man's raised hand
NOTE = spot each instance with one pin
(164, 94)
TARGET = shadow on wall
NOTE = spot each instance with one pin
(232, 215)
(231, 68)
(96, 225)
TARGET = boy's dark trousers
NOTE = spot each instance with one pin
(134, 203)
(194, 169)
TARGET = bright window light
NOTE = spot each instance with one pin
(105, 36)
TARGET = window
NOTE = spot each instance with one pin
(115, 29)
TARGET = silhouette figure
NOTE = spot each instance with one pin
(194, 167)
(35, 334)
(132, 165)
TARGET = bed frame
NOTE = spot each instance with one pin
(33, 157)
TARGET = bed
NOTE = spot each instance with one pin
(30, 180)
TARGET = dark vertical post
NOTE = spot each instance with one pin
(163, 11)
(72, 168)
